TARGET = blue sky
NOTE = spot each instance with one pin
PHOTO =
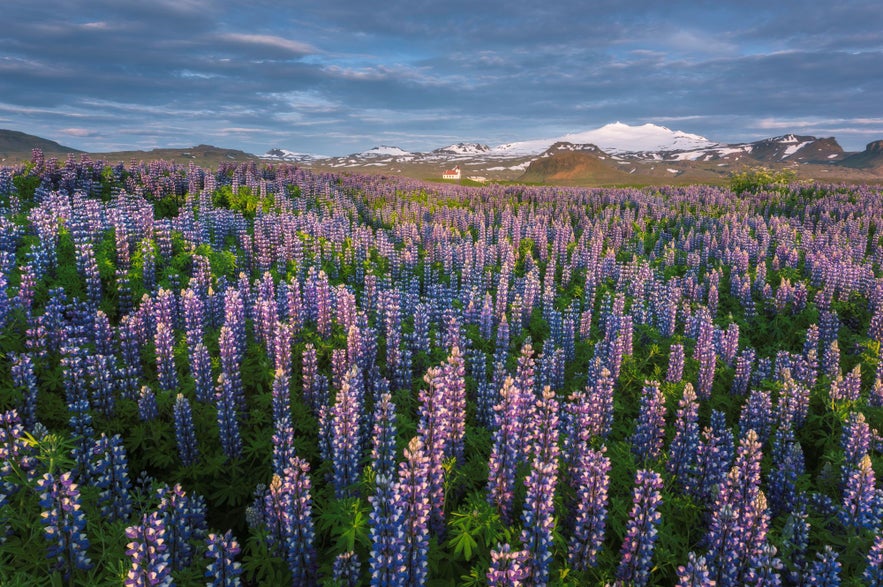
(333, 77)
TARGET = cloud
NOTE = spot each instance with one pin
(337, 76)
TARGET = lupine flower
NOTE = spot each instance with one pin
(636, 555)
(694, 573)
(185, 433)
(538, 517)
(110, 474)
(23, 377)
(860, 508)
(64, 523)
(764, 568)
(706, 356)
(825, 571)
(649, 434)
(386, 533)
(685, 444)
(165, 360)
(509, 568)
(345, 569)
(384, 437)
(183, 518)
(591, 479)
(757, 414)
(788, 465)
(505, 454)
(411, 498)
(228, 425)
(147, 409)
(147, 551)
(222, 571)
(345, 431)
(675, 363)
(793, 402)
(873, 574)
(739, 518)
(795, 542)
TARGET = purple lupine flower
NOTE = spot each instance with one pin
(147, 552)
(600, 399)
(383, 456)
(684, 446)
(764, 568)
(538, 517)
(411, 498)
(345, 569)
(505, 454)
(101, 370)
(715, 455)
(185, 433)
(860, 506)
(223, 570)
(147, 409)
(386, 533)
(742, 372)
(847, 389)
(873, 574)
(509, 568)
(110, 474)
(14, 449)
(591, 477)
(82, 434)
(228, 425)
(649, 434)
(201, 369)
(64, 523)
(795, 542)
(705, 354)
(346, 435)
(636, 555)
(165, 359)
(24, 378)
(183, 518)
(831, 360)
(788, 465)
(793, 402)
(739, 518)
(825, 571)
(310, 375)
(675, 363)
(694, 573)
(757, 414)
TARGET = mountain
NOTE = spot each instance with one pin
(566, 163)
(870, 158)
(464, 149)
(15, 145)
(203, 155)
(289, 156)
(615, 138)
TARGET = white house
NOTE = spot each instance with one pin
(452, 173)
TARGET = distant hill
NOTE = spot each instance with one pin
(16, 146)
(565, 163)
(203, 155)
(870, 158)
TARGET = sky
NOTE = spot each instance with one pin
(335, 77)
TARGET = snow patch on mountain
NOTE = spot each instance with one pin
(615, 138)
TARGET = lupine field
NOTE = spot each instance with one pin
(264, 376)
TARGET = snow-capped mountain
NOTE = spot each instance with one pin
(615, 138)
(641, 151)
(290, 156)
(463, 149)
(386, 151)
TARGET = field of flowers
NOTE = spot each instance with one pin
(264, 376)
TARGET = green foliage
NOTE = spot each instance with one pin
(761, 178)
